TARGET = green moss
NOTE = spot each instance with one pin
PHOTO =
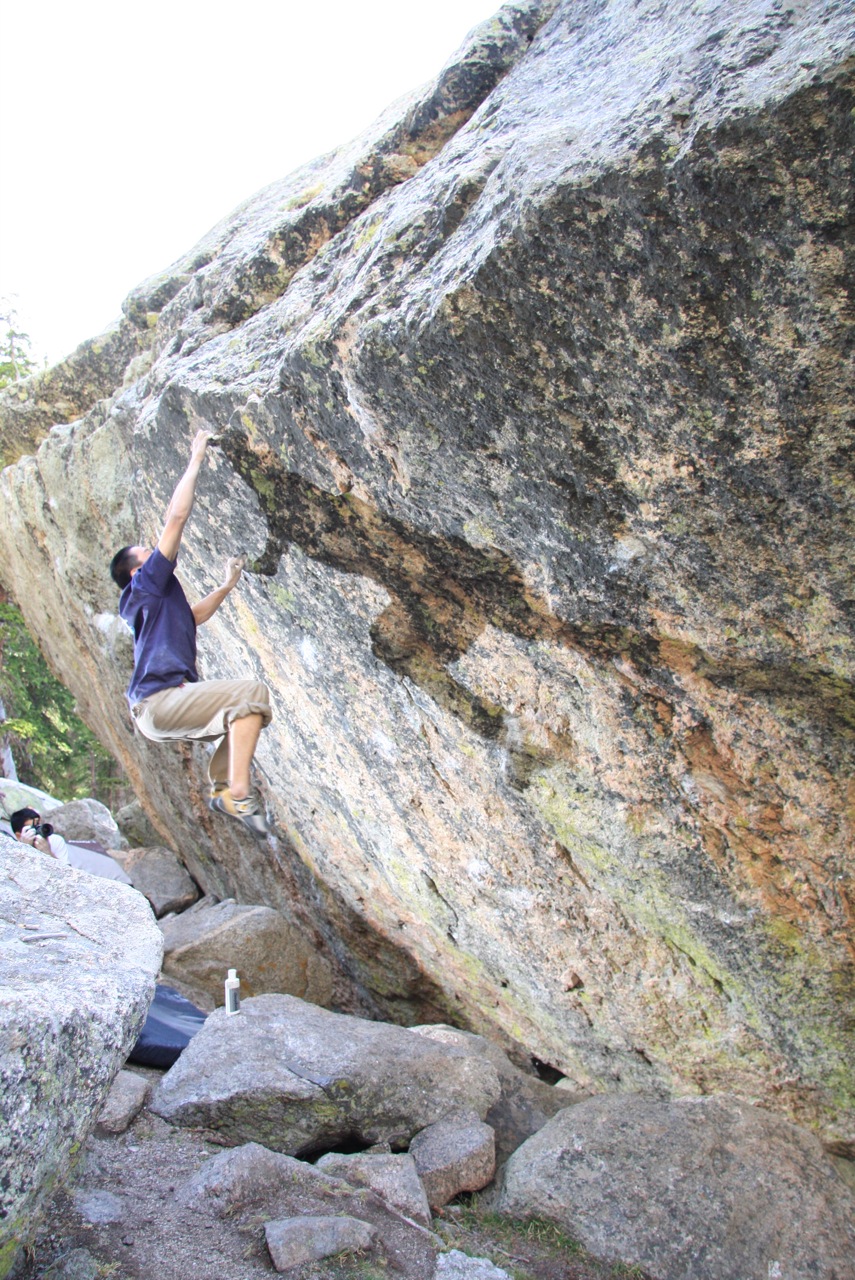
(263, 486)
(304, 198)
(367, 234)
(285, 599)
(10, 1250)
(649, 902)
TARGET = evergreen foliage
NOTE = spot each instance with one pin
(15, 359)
(52, 747)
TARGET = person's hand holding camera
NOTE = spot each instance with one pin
(37, 837)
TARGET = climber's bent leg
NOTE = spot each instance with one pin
(205, 711)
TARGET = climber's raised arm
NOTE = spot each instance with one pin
(181, 503)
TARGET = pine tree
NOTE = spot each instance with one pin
(16, 362)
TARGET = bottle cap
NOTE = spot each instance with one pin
(232, 973)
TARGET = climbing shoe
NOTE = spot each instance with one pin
(249, 811)
(217, 789)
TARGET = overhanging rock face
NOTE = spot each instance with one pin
(80, 956)
(536, 426)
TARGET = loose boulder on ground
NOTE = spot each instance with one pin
(456, 1154)
(125, 1100)
(526, 1102)
(136, 827)
(161, 878)
(707, 1187)
(293, 1241)
(246, 1185)
(80, 956)
(394, 1177)
(298, 1079)
(269, 952)
(252, 1176)
(87, 820)
(460, 1266)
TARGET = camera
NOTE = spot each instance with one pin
(40, 829)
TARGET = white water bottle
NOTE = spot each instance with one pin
(232, 992)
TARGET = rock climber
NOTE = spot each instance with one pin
(168, 701)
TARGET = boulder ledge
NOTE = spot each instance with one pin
(80, 959)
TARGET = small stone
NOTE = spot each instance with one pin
(98, 1207)
(293, 1241)
(126, 1098)
(76, 1265)
(460, 1266)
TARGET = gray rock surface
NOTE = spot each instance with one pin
(456, 1154)
(160, 877)
(394, 1177)
(78, 1264)
(535, 406)
(87, 820)
(126, 1098)
(455, 1265)
(136, 827)
(297, 1079)
(525, 1103)
(311, 1237)
(270, 952)
(700, 1187)
(240, 1188)
(79, 960)
(250, 1176)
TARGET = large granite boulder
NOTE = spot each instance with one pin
(299, 1079)
(698, 1187)
(160, 877)
(269, 953)
(535, 414)
(80, 957)
(87, 820)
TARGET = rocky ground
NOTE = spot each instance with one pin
(118, 1218)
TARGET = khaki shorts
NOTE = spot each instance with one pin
(202, 712)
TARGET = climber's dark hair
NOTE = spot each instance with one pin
(21, 817)
(121, 565)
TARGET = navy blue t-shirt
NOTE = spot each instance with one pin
(155, 607)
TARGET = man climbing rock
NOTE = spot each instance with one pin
(168, 701)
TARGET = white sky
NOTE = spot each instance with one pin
(129, 130)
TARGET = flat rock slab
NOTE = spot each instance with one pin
(252, 1176)
(293, 1241)
(299, 1079)
(160, 877)
(456, 1154)
(80, 956)
(126, 1098)
(460, 1266)
(270, 953)
(394, 1177)
(706, 1187)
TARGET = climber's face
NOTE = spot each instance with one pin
(141, 554)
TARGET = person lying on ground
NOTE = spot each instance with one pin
(27, 826)
(168, 701)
